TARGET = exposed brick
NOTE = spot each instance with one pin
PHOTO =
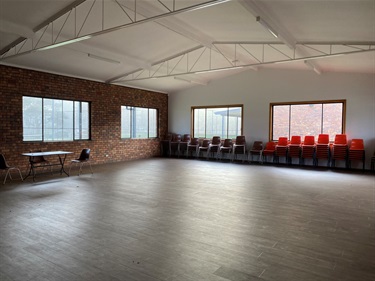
(105, 115)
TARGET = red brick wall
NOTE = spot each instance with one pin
(106, 101)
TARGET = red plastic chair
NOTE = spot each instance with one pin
(356, 152)
(340, 150)
(322, 149)
(268, 151)
(294, 149)
(281, 149)
(308, 149)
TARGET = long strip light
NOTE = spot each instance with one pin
(309, 64)
(67, 42)
(267, 26)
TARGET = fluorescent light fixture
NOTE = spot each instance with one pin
(64, 43)
(208, 4)
(103, 59)
(309, 64)
(267, 26)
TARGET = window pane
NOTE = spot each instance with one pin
(306, 119)
(32, 119)
(234, 122)
(81, 120)
(67, 122)
(216, 122)
(280, 121)
(140, 123)
(52, 120)
(152, 123)
(77, 120)
(332, 119)
(59, 120)
(199, 123)
(126, 121)
(85, 119)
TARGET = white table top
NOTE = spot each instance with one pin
(46, 153)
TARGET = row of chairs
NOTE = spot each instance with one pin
(40, 161)
(339, 150)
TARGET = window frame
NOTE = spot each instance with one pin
(215, 106)
(133, 130)
(74, 116)
(343, 120)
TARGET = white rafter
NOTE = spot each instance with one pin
(75, 21)
(258, 9)
(200, 59)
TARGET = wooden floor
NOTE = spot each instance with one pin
(177, 219)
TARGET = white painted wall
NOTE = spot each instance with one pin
(257, 89)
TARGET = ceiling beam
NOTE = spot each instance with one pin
(260, 11)
(29, 47)
(180, 65)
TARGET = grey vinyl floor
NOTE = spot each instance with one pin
(189, 220)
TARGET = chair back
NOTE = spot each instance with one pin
(3, 162)
(37, 159)
(240, 140)
(176, 138)
(194, 141)
(340, 139)
(85, 154)
(228, 143)
(257, 145)
(283, 141)
(309, 140)
(168, 136)
(186, 138)
(206, 143)
(216, 140)
(323, 139)
(271, 145)
(357, 144)
(296, 140)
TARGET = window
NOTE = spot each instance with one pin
(139, 122)
(47, 119)
(223, 121)
(308, 118)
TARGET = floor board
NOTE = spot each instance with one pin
(177, 219)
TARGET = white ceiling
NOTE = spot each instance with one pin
(221, 36)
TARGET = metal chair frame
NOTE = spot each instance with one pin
(4, 166)
(83, 159)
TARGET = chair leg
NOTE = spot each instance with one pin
(91, 168)
(6, 175)
(70, 167)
